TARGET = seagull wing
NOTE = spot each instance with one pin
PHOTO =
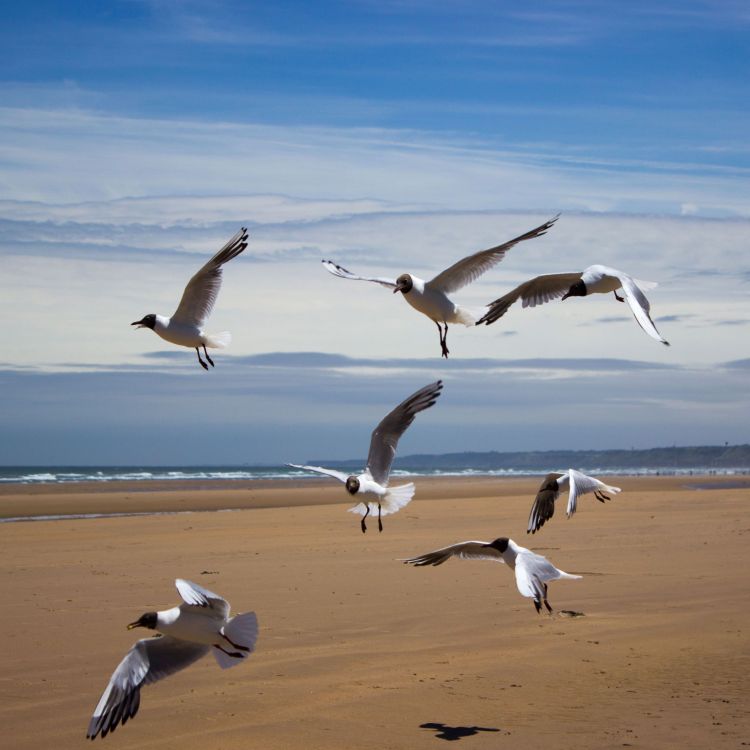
(464, 550)
(641, 308)
(581, 484)
(342, 273)
(544, 504)
(196, 596)
(533, 292)
(149, 660)
(473, 266)
(320, 470)
(200, 294)
(533, 571)
(385, 436)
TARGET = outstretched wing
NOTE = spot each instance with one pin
(532, 573)
(544, 504)
(202, 290)
(472, 550)
(533, 292)
(342, 273)
(473, 266)
(149, 660)
(320, 470)
(197, 596)
(641, 308)
(385, 436)
(581, 484)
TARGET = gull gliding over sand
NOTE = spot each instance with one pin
(431, 297)
(532, 570)
(577, 483)
(593, 280)
(189, 631)
(383, 443)
(185, 327)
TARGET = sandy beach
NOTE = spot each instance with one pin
(357, 650)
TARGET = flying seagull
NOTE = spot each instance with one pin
(532, 570)
(593, 280)
(189, 631)
(431, 297)
(185, 327)
(577, 483)
(383, 443)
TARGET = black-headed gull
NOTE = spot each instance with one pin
(553, 484)
(189, 631)
(593, 280)
(383, 443)
(431, 297)
(532, 570)
(185, 327)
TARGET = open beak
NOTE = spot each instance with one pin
(138, 323)
(398, 288)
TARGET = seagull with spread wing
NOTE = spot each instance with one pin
(577, 483)
(383, 443)
(185, 327)
(187, 632)
(532, 571)
(593, 280)
(431, 297)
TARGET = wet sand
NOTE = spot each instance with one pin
(360, 651)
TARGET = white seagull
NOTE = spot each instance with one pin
(593, 280)
(532, 570)
(383, 443)
(431, 297)
(577, 483)
(189, 631)
(185, 327)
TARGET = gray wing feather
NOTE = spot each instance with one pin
(473, 266)
(149, 660)
(342, 273)
(472, 550)
(533, 292)
(320, 470)
(544, 504)
(197, 596)
(385, 436)
(201, 292)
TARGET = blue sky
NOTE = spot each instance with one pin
(389, 136)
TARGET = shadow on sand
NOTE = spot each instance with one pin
(451, 734)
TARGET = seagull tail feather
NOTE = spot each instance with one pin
(218, 340)
(241, 630)
(394, 499)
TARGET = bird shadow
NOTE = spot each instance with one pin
(452, 734)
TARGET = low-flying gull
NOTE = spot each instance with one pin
(189, 631)
(532, 570)
(553, 484)
(383, 443)
(593, 280)
(185, 327)
(431, 297)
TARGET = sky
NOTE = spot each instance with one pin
(137, 136)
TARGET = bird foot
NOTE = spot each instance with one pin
(618, 297)
(363, 525)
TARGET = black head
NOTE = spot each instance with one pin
(144, 621)
(147, 321)
(500, 544)
(404, 283)
(577, 290)
(352, 485)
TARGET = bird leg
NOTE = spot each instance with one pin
(362, 522)
(380, 523)
(210, 361)
(231, 642)
(233, 654)
(203, 364)
(443, 339)
(618, 297)
(546, 604)
(537, 605)
(600, 496)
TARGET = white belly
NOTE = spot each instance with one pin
(181, 335)
(600, 280)
(435, 305)
(196, 627)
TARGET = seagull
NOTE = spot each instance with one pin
(189, 631)
(383, 443)
(431, 297)
(594, 279)
(532, 570)
(185, 327)
(578, 484)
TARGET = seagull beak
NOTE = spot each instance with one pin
(138, 323)
(399, 288)
(135, 624)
